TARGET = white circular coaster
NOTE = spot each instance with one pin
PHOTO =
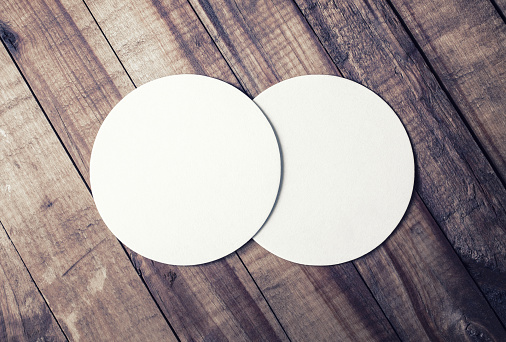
(348, 170)
(185, 169)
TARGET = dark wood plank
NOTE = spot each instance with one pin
(217, 301)
(85, 81)
(335, 307)
(465, 43)
(322, 322)
(78, 265)
(417, 258)
(454, 179)
(163, 57)
(24, 316)
(374, 59)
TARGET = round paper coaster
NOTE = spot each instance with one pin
(348, 170)
(185, 169)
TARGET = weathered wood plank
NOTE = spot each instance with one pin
(321, 323)
(85, 81)
(217, 301)
(78, 265)
(376, 60)
(24, 316)
(333, 298)
(159, 62)
(465, 43)
(430, 277)
(455, 181)
(92, 88)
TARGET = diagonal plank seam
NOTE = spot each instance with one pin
(263, 296)
(454, 252)
(242, 86)
(447, 94)
(445, 89)
(89, 190)
(376, 300)
(34, 283)
(108, 43)
(139, 273)
(467, 270)
(498, 9)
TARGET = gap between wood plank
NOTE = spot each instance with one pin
(87, 187)
(139, 273)
(499, 10)
(33, 281)
(110, 46)
(243, 86)
(445, 90)
(339, 70)
(242, 262)
(263, 296)
(440, 83)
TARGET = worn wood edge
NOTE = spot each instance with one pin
(24, 314)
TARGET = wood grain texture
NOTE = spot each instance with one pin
(465, 43)
(259, 30)
(322, 323)
(417, 258)
(217, 301)
(424, 291)
(24, 315)
(454, 179)
(333, 297)
(76, 104)
(77, 264)
(93, 85)
(158, 277)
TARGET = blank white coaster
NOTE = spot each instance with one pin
(348, 170)
(185, 169)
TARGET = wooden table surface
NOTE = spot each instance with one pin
(441, 65)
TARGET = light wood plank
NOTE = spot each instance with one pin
(454, 179)
(86, 80)
(24, 316)
(465, 42)
(378, 61)
(93, 85)
(78, 265)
